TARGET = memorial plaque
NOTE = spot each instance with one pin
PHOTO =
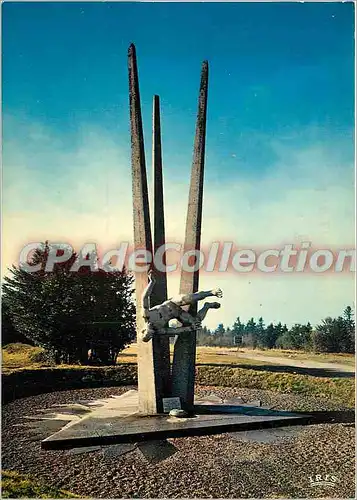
(171, 404)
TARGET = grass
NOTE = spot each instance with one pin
(231, 356)
(226, 358)
(15, 485)
(341, 390)
(22, 355)
(129, 355)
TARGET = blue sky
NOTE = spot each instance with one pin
(279, 136)
(274, 68)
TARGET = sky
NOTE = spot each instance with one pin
(280, 137)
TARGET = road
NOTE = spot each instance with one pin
(286, 361)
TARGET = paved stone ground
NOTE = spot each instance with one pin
(221, 466)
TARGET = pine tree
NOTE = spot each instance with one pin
(9, 334)
(271, 335)
(228, 337)
(298, 337)
(335, 334)
(203, 336)
(238, 331)
(261, 332)
(350, 330)
(326, 337)
(64, 311)
(250, 334)
(219, 334)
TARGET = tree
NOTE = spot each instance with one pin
(250, 334)
(307, 337)
(326, 338)
(220, 330)
(238, 331)
(335, 334)
(204, 336)
(219, 335)
(271, 334)
(350, 330)
(261, 333)
(298, 337)
(9, 334)
(228, 338)
(64, 311)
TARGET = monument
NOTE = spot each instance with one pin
(154, 376)
(165, 405)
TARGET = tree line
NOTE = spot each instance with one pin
(331, 335)
(88, 316)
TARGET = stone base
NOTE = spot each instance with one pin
(117, 421)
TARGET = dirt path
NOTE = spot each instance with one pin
(338, 367)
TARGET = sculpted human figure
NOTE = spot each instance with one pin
(158, 317)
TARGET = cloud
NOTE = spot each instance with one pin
(81, 192)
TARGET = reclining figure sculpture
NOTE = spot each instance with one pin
(158, 317)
